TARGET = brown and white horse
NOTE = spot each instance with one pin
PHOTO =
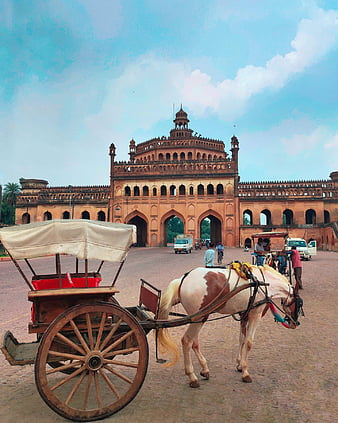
(201, 291)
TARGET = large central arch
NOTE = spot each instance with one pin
(215, 225)
(164, 221)
(141, 228)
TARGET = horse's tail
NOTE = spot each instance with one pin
(166, 342)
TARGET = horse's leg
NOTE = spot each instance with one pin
(251, 326)
(203, 362)
(242, 334)
(187, 344)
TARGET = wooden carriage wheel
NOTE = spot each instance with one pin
(105, 351)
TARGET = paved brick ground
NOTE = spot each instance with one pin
(294, 372)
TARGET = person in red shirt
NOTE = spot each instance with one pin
(297, 268)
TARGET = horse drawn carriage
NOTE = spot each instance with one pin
(90, 355)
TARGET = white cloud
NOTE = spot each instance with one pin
(315, 38)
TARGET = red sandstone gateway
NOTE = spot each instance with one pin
(91, 354)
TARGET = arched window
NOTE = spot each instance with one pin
(210, 189)
(127, 191)
(175, 156)
(287, 217)
(191, 190)
(200, 189)
(220, 189)
(181, 190)
(247, 217)
(265, 218)
(26, 218)
(85, 215)
(190, 155)
(47, 216)
(198, 156)
(310, 217)
(167, 156)
(145, 191)
(154, 191)
(66, 215)
(136, 191)
(160, 156)
(172, 190)
(182, 156)
(101, 216)
(163, 190)
(326, 216)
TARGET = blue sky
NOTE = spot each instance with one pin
(78, 75)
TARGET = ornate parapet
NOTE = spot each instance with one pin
(287, 189)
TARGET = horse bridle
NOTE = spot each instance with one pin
(295, 299)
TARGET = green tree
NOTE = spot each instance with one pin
(10, 192)
(174, 227)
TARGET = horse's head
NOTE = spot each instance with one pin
(293, 308)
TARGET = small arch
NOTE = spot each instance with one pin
(47, 215)
(101, 216)
(172, 190)
(167, 156)
(154, 192)
(160, 156)
(136, 191)
(127, 191)
(145, 191)
(191, 190)
(182, 156)
(220, 189)
(66, 215)
(210, 189)
(265, 218)
(326, 216)
(181, 190)
(310, 217)
(175, 156)
(26, 218)
(287, 217)
(163, 190)
(85, 215)
(200, 189)
(247, 217)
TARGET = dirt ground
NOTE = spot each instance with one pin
(294, 371)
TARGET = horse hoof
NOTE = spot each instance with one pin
(239, 369)
(194, 384)
(247, 379)
(206, 375)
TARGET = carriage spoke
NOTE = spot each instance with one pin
(118, 374)
(117, 342)
(90, 331)
(68, 378)
(66, 355)
(97, 390)
(64, 367)
(79, 336)
(124, 351)
(75, 388)
(70, 343)
(99, 335)
(121, 363)
(86, 395)
(111, 386)
(110, 334)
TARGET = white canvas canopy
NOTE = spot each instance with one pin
(85, 239)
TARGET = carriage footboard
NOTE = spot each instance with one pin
(16, 353)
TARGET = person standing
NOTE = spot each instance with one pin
(209, 256)
(297, 268)
(259, 252)
(220, 252)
